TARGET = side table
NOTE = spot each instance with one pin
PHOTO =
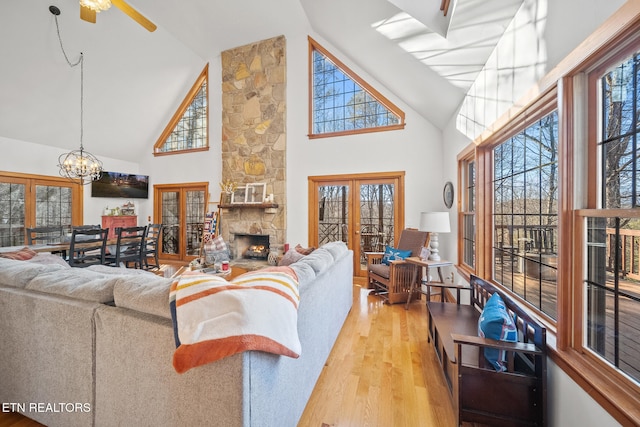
(426, 265)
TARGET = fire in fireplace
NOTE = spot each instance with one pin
(252, 246)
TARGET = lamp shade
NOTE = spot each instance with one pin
(435, 222)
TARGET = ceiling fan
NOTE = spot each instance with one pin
(89, 9)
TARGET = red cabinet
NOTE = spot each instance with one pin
(114, 221)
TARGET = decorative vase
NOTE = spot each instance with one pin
(272, 259)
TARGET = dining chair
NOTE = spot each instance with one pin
(88, 247)
(46, 235)
(150, 246)
(43, 235)
(129, 247)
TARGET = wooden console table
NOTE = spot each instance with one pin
(426, 265)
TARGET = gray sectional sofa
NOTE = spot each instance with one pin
(94, 347)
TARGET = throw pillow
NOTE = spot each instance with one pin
(290, 257)
(20, 255)
(393, 254)
(304, 251)
(496, 323)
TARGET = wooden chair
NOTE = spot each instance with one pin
(129, 247)
(150, 246)
(88, 247)
(393, 281)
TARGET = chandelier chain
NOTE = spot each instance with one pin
(73, 64)
(77, 165)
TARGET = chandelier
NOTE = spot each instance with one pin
(96, 5)
(78, 164)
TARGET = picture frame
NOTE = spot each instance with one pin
(239, 195)
(256, 192)
(425, 253)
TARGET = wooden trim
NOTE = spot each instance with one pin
(314, 45)
(203, 77)
(566, 171)
(356, 131)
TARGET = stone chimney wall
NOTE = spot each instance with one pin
(254, 135)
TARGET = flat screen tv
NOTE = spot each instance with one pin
(116, 184)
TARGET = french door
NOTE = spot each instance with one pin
(180, 208)
(36, 201)
(366, 211)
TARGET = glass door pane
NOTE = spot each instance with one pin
(12, 214)
(53, 206)
(376, 218)
(195, 221)
(333, 214)
(171, 221)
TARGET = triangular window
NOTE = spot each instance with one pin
(188, 129)
(342, 103)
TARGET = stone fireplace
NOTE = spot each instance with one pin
(250, 246)
(254, 138)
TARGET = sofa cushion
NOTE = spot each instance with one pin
(21, 254)
(120, 271)
(77, 283)
(337, 249)
(18, 274)
(496, 323)
(381, 270)
(305, 273)
(48, 259)
(319, 260)
(143, 293)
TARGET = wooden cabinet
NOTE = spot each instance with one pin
(114, 221)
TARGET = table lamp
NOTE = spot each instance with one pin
(434, 223)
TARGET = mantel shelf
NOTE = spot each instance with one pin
(247, 205)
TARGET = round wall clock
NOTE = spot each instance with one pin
(447, 194)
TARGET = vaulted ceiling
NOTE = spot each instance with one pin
(135, 79)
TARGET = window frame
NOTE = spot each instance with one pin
(577, 128)
(314, 45)
(186, 102)
(465, 158)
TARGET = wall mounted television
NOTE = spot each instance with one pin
(116, 184)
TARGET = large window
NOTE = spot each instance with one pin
(525, 213)
(467, 211)
(612, 277)
(342, 103)
(558, 190)
(188, 129)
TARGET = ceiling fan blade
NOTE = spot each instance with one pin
(87, 14)
(134, 14)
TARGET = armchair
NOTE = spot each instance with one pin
(393, 281)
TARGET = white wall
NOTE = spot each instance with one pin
(26, 157)
(417, 149)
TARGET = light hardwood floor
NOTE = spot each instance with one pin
(381, 372)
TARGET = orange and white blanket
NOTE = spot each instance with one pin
(214, 318)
